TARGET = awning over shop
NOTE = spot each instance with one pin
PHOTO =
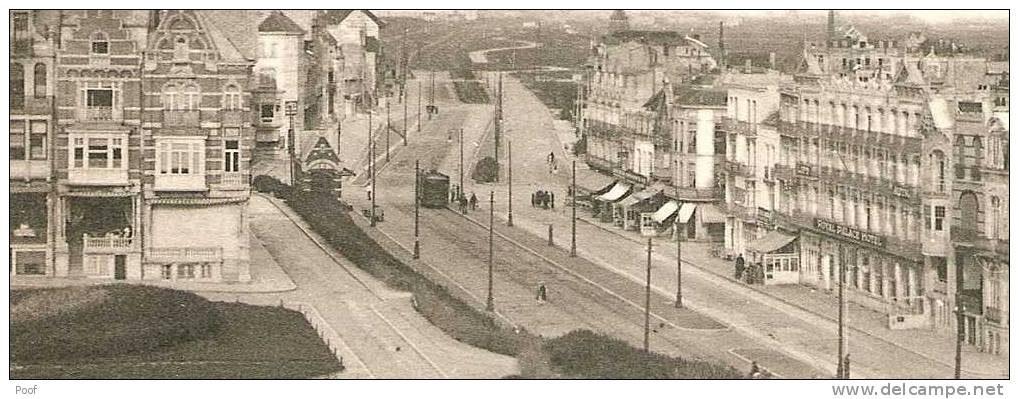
(618, 191)
(771, 242)
(629, 201)
(593, 181)
(685, 211)
(666, 210)
(649, 192)
(711, 214)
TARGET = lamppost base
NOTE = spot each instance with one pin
(490, 305)
(417, 250)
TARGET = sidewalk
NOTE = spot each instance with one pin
(927, 343)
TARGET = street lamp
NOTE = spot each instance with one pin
(417, 202)
(490, 302)
(573, 219)
(509, 165)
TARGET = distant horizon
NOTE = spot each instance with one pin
(929, 16)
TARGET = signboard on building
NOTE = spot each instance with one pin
(803, 169)
(290, 108)
(764, 217)
(849, 232)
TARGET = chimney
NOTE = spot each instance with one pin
(831, 25)
(771, 60)
(721, 45)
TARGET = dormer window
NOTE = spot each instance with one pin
(100, 44)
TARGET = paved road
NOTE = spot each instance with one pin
(799, 333)
(583, 294)
(774, 332)
(386, 337)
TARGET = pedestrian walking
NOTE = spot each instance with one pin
(551, 199)
(534, 201)
(474, 202)
(368, 190)
(740, 266)
(542, 295)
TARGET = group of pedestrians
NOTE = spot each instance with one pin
(750, 274)
(462, 201)
(543, 199)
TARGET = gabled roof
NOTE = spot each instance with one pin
(337, 16)
(322, 151)
(277, 22)
(228, 50)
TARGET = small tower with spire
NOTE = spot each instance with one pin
(619, 21)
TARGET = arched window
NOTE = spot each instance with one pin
(17, 85)
(100, 44)
(192, 98)
(40, 80)
(180, 49)
(969, 210)
(171, 97)
(232, 98)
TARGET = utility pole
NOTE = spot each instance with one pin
(403, 90)
(371, 166)
(960, 319)
(419, 106)
(679, 254)
(647, 302)
(498, 125)
(573, 220)
(431, 90)
(490, 303)
(388, 127)
(509, 166)
(460, 188)
(417, 205)
(841, 370)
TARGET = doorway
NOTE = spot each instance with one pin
(120, 267)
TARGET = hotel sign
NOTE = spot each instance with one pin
(849, 232)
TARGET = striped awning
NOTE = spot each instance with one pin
(617, 192)
(197, 200)
(665, 211)
(685, 211)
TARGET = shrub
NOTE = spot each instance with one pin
(265, 184)
(486, 170)
(129, 319)
(585, 354)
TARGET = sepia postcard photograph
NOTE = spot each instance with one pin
(696, 197)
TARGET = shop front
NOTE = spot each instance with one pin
(777, 255)
(605, 203)
(660, 221)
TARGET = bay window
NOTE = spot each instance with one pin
(97, 153)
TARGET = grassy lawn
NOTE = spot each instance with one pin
(470, 92)
(156, 333)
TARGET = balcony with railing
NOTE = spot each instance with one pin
(995, 315)
(739, 168)
(739, 127)
(184, 254)
(98, 113)
(698, 194)
(233, 181)
(107, 245)
(181, 118)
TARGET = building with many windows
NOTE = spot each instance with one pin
(638, 99)
(148, 160)
(891, 170)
